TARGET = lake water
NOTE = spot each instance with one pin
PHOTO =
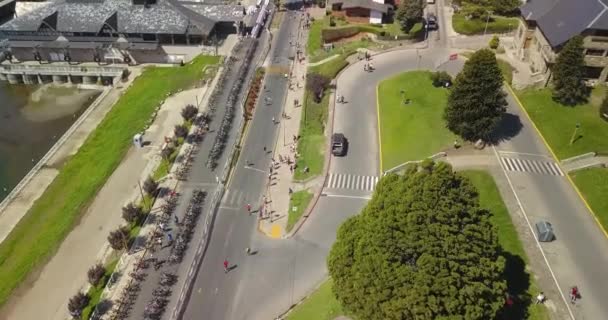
(32, 118)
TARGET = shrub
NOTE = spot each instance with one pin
(77, 303)
(95, 274)
(180, 131)
(131, 213)
(441, 78)
(604, 109)
(189, 112)
(494, 42)
(166, 152)
(119, 238)
(317, 84)
(334, 34)
(150, 186)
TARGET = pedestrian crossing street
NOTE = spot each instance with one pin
(351, 181)
(533, 166)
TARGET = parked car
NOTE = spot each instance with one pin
(431, 22)
(338, 144)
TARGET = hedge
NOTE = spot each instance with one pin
(335, 34)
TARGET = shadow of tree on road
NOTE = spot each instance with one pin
(518, 283)
(509, 126)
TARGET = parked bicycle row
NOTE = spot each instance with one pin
(231, 104)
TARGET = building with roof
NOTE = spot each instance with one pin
(360, 11)
(547, 25)
(128, 31)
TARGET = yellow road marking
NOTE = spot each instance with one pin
(276, 231)
(578, 192)
(379, 133)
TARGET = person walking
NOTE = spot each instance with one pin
(226, 265)
(264, 148)
(248, 251)
(540, 298)
(573, 294)
(248, 206)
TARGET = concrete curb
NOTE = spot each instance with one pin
(578, 192)
(331, 110)
(579, 157)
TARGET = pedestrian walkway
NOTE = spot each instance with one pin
(66, 272)
(351, 181)
(532, 166)
(280, 185)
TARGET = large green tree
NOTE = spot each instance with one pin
(421, 249)
(568, 85)
(409, 12)
(476, 102)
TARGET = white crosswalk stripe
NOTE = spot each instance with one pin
(533, 166)
(351, 181)
(234, 197)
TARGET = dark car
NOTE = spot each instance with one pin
(431, 22)
(338, 144)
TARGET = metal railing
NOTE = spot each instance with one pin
(60, 70)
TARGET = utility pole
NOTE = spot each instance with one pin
(574, 134)
(487, 21)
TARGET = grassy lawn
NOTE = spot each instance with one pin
(331, 68)
(343, 48)
(477, 26)
(520, 283)
(312, 138)
(321, 305)
(300, 201)
(315, 43)
(38, 235)
(414, 131)
(592, 184)
(557, 122)
(506, 69)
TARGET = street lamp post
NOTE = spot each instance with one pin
(487, 21)
(574, 134)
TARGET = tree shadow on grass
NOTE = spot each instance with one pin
(509, 126)
(518, 283)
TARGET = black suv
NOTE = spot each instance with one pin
(338, 144)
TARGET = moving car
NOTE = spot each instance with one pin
(338, 144)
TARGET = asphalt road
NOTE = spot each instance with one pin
(283, 271)
(216, 294)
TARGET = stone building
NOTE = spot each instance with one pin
(547, 25)
(122, 31)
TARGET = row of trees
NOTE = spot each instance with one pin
(131, 213)
(119, 240)
(421, 249)
(476, 103)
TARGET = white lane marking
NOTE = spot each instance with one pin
(542, 252)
